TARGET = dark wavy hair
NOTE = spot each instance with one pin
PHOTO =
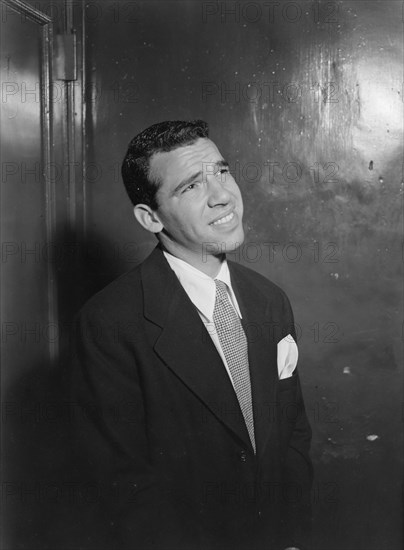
(140, 185)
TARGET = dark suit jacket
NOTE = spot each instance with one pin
(160, 429)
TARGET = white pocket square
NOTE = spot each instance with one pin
(287, 357)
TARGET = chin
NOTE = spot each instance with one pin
(233, 242)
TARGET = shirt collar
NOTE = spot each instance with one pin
(200, 287)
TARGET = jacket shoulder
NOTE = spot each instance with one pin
(120, 297)
(266, 286)
(264, 291)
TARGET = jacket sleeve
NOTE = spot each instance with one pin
(109, 435)
(297, 468)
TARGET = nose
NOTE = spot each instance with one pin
(217, 192)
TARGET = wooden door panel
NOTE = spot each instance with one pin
(25, 292)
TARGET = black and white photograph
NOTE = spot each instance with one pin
(202, 274)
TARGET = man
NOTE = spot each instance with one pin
(185, 367)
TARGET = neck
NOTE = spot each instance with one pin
(207, 263)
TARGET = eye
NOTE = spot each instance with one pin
(224, 170)
(222, 173)
(190, 187)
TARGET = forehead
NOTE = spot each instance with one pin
(184, 160)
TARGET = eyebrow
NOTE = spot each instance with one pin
(187, 181)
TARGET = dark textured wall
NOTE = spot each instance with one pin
(305, 101)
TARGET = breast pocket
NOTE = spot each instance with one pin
(289, 383)
(287, 357)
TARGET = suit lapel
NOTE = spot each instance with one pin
(185, 346)
(263, 369)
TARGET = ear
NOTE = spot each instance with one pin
(147, 218)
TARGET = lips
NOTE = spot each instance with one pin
(224, 218)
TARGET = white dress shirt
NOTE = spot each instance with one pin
(201, 290)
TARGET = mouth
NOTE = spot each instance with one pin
(224, 219)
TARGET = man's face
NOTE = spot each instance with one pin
(200, 205)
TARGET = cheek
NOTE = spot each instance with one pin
(236, 189)
(239, 198)
(186, 223)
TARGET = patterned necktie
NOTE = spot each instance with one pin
(234, 345)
